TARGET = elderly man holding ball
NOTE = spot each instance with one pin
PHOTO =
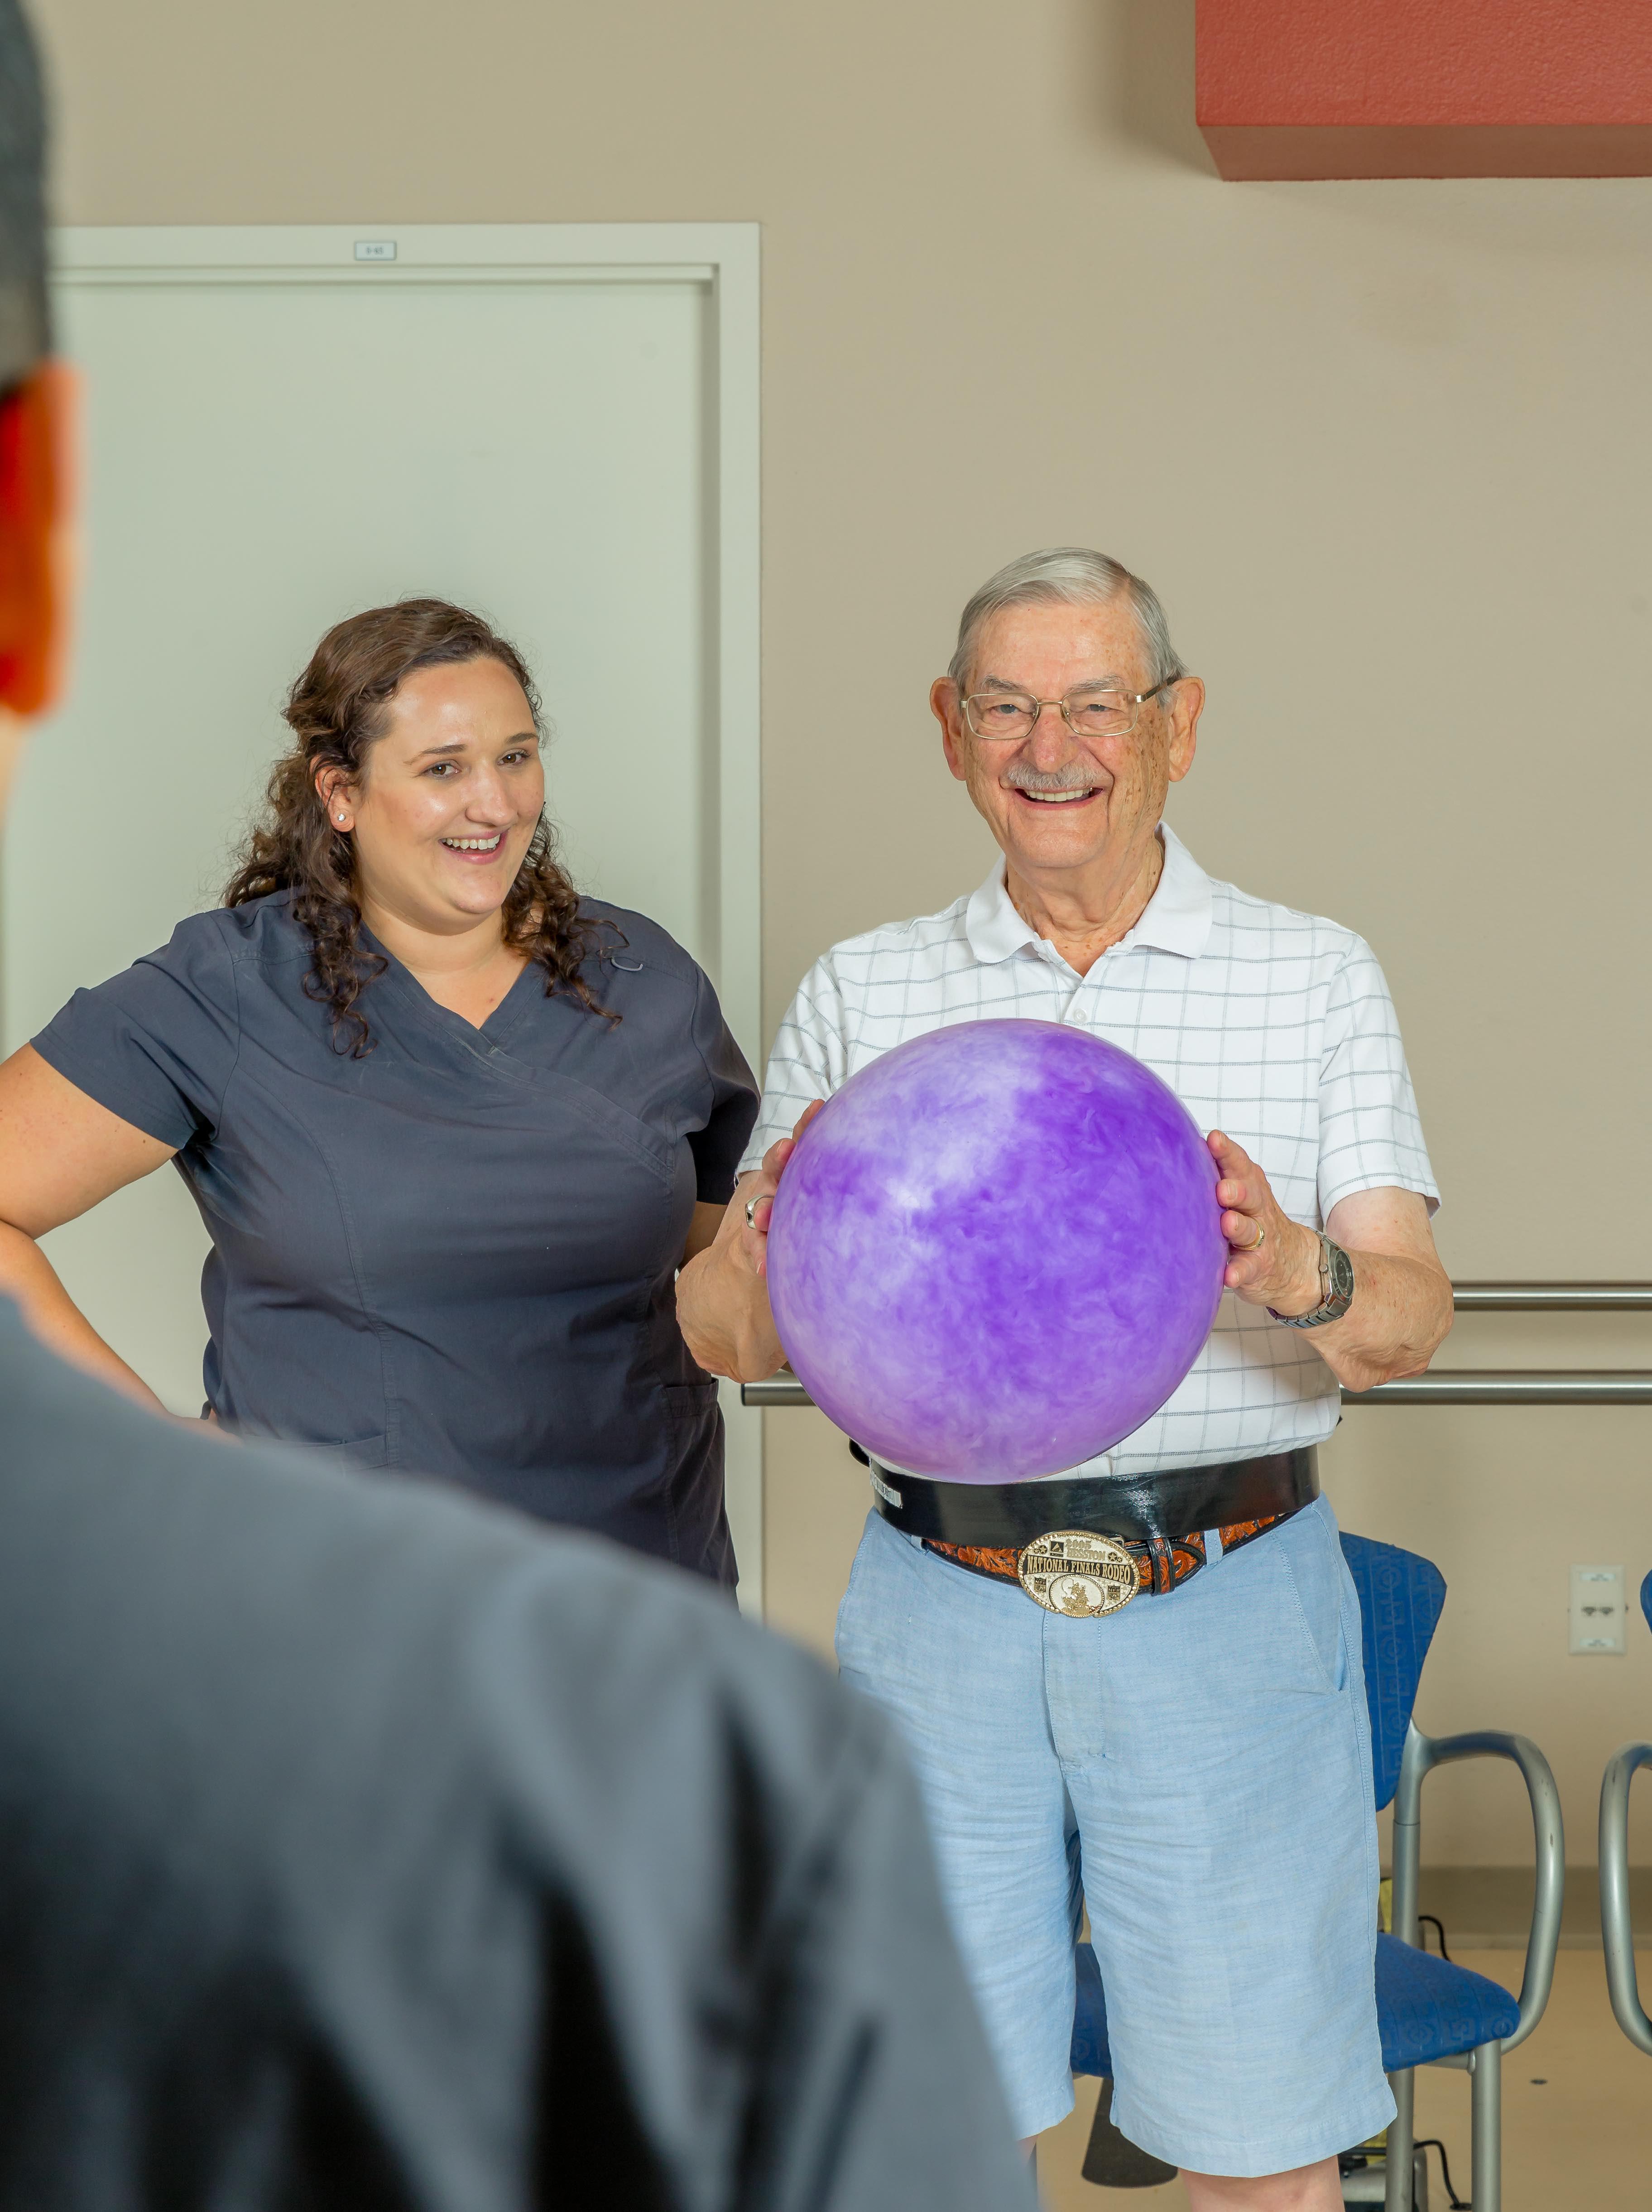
(1134, 1684)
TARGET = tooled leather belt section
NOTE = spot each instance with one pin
(1161, 1562)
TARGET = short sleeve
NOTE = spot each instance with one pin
(1371, 1133)
(717, 1146)
(809, 1060)
(157, 1044)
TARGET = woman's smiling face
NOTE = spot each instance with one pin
(449, 798)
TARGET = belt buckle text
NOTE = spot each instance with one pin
(1081, 1576)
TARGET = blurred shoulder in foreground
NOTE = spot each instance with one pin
(363, 1848)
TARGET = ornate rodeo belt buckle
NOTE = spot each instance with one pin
(1070, 1571)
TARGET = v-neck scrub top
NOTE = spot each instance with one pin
(456, 1255)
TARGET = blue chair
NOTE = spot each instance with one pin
(1430, 2012)
(1617, 1923)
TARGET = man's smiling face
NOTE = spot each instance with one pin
(1059, 803)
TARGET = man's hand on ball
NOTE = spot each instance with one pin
(722, 1300)
(753, 1204)
(1273, 1260)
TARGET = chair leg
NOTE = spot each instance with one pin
(1113, 2161)
(1485, 2105)
(1397, 2156)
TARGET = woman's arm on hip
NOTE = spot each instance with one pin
(60, 1153)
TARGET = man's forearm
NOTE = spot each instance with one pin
(1400, 1313)
(723, 1314)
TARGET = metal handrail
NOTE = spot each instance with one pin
(1448, 1386)
(1512, 1386)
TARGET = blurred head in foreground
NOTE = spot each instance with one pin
(37, 414)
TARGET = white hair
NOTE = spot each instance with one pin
(1069, 575)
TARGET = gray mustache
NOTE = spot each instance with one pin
(1073, 778)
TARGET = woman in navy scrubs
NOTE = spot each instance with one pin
(452, 1128)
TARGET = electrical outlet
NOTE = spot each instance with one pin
(1597, 1610)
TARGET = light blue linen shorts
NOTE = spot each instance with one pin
(1196, 1770)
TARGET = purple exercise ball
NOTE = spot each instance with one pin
(996, 1251)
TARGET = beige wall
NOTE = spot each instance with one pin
(1384, 449)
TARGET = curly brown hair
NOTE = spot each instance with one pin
(337, 710)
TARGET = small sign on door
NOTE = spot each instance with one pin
(375, 249)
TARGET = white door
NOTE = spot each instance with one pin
(555, 426)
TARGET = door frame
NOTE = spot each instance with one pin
(724, 258)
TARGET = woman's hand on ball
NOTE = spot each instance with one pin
(1279, 1267)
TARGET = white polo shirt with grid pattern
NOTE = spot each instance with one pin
(1274, 1026)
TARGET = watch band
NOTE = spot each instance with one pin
(1336, 1289)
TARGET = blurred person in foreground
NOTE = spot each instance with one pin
(362, 1847)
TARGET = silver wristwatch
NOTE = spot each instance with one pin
(1336, 1289)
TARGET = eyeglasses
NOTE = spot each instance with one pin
(1005, 715)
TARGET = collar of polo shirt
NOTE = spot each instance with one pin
(1176, 919)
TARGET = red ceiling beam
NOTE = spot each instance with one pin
(1296, 88)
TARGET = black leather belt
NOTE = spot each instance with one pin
(1170, 1503)
(1085, 1547)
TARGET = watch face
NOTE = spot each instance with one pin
(1342, 1273)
